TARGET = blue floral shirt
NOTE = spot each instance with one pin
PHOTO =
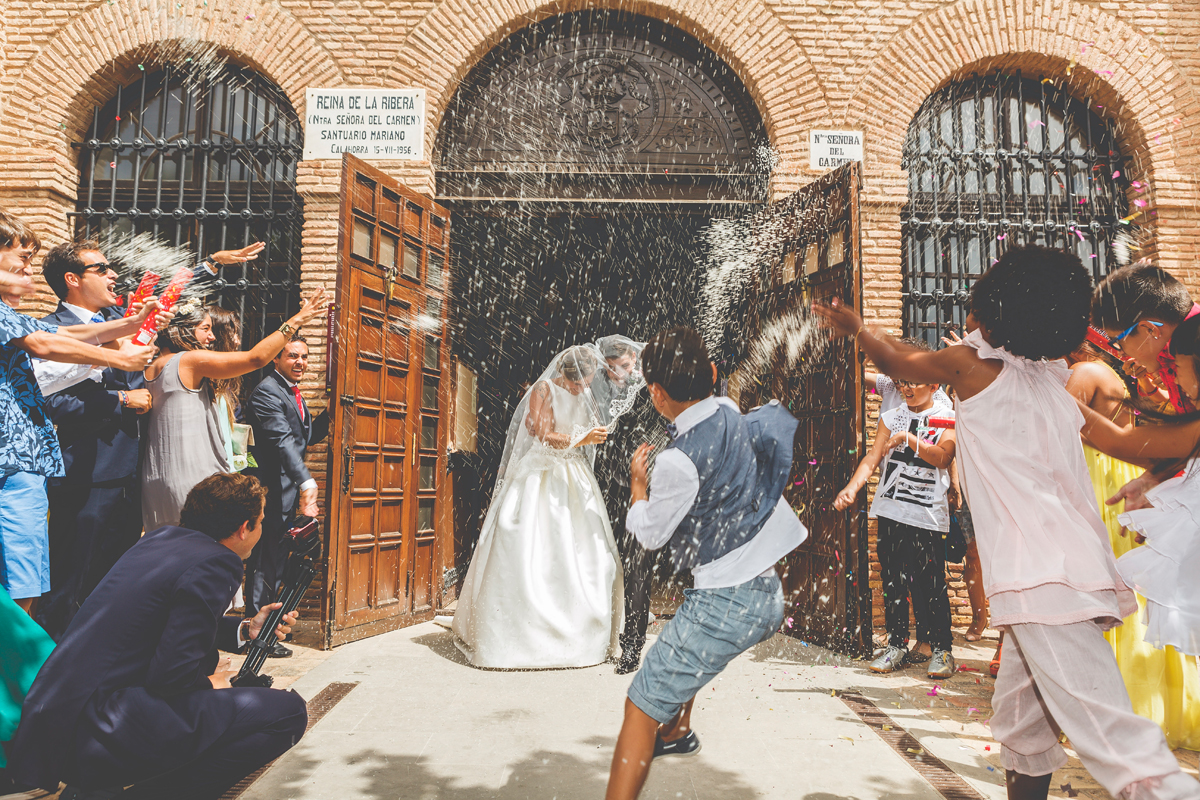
(28, 442)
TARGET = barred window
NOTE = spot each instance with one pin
(209, 163)
(995, 161)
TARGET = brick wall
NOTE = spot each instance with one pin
(808, 64)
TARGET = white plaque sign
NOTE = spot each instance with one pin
(370, 123)
(831, 149)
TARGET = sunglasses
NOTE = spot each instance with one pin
(908, 384)
(1113, 341)
(101, 269)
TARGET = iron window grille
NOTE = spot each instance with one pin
(206, 163)
(994, 161)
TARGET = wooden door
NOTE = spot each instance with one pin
(387, 493)
(815, 254)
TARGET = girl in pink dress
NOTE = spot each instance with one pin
(1048, 569)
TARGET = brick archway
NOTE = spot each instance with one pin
(1139, 87)
(84, 69)
(456, 34)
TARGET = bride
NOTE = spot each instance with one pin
(544, 586)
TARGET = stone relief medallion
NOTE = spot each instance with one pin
(607, 101)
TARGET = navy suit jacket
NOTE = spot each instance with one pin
(150, 630)
(281, 440)
(99, 437)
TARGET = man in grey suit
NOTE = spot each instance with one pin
(283, 430)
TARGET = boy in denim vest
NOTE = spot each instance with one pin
(717, 503)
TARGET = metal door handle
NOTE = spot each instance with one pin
(347, 468)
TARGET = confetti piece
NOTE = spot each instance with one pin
(971, 710)
(112, 165)
(987, 747)
(1046, 80)
(789, 624)
(932, 693)
(1105, 71)
(887, 727)
(916, 751)
(249, 16)
(847, 738)
(1117, 174)
(1002, 237)
(833, 693)
(142, 67)
(1140, 203)
(1037, 122)
(991, 769)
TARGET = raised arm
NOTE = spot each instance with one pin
(959, 367)
(102, 332)
(195, 365)
(1142, 442)
(540, 420)
(56, 347)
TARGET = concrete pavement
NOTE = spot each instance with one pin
(423, 724)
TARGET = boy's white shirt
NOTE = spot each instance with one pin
(674, 487)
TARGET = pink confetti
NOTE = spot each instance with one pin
(1140, 203)
(1105, 71)
(971, 711)
(814, 461)
(1037, 122)
(1002, 237)
(1117, 174)
(932, 693)
(112, 165)
(249, 16)
(1136, 184)
(789, 622)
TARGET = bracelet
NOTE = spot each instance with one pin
(858, 333)
(124, 396)
(287, 330)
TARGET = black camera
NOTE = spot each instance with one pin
(303, 544)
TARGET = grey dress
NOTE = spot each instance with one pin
(184, 445)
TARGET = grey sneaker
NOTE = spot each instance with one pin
(941, 665)
(890, 660)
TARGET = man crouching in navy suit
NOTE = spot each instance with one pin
(283, 430)
(136, 694)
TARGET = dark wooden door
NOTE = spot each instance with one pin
(387, 493)
(815, 254)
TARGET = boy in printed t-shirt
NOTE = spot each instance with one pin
(914, 518)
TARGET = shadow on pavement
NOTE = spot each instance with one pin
(543, 775)
(442, 644)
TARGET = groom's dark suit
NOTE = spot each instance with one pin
(281, 439)
(640, 424)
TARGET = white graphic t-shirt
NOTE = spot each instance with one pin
(911, 490)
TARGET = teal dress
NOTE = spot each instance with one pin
(24, 647)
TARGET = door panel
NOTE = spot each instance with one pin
(818, 258)
(387, 463)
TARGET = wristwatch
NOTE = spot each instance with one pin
(287, 330)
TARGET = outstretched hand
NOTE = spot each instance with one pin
(1134, 495)
(239, 256)
(838, 317)
(260, 619)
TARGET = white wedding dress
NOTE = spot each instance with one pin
(544, 588)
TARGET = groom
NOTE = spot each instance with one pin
(615, 384)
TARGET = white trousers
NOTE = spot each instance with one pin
(1064, 678)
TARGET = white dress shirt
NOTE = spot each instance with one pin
(54, 376)
(673, 490)
(311, 483)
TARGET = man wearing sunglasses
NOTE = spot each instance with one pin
(96, 508)
(1138, 308)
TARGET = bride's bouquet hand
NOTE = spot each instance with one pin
(595, 436)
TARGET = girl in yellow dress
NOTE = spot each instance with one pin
(1163, 684)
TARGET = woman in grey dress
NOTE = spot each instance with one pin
(184, 442)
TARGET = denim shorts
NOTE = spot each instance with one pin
(24, 543)
(710, 629)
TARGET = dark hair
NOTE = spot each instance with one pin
(296, 339)
(180, 335)
(1185, 343)
(14, 232)
(1034, 302)
(219, 504)
(1132, 294)
(677, 360)
(64, 258)
(225, 327)
(618, 348)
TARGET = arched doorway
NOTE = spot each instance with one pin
(209, 163)
(581, 158)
